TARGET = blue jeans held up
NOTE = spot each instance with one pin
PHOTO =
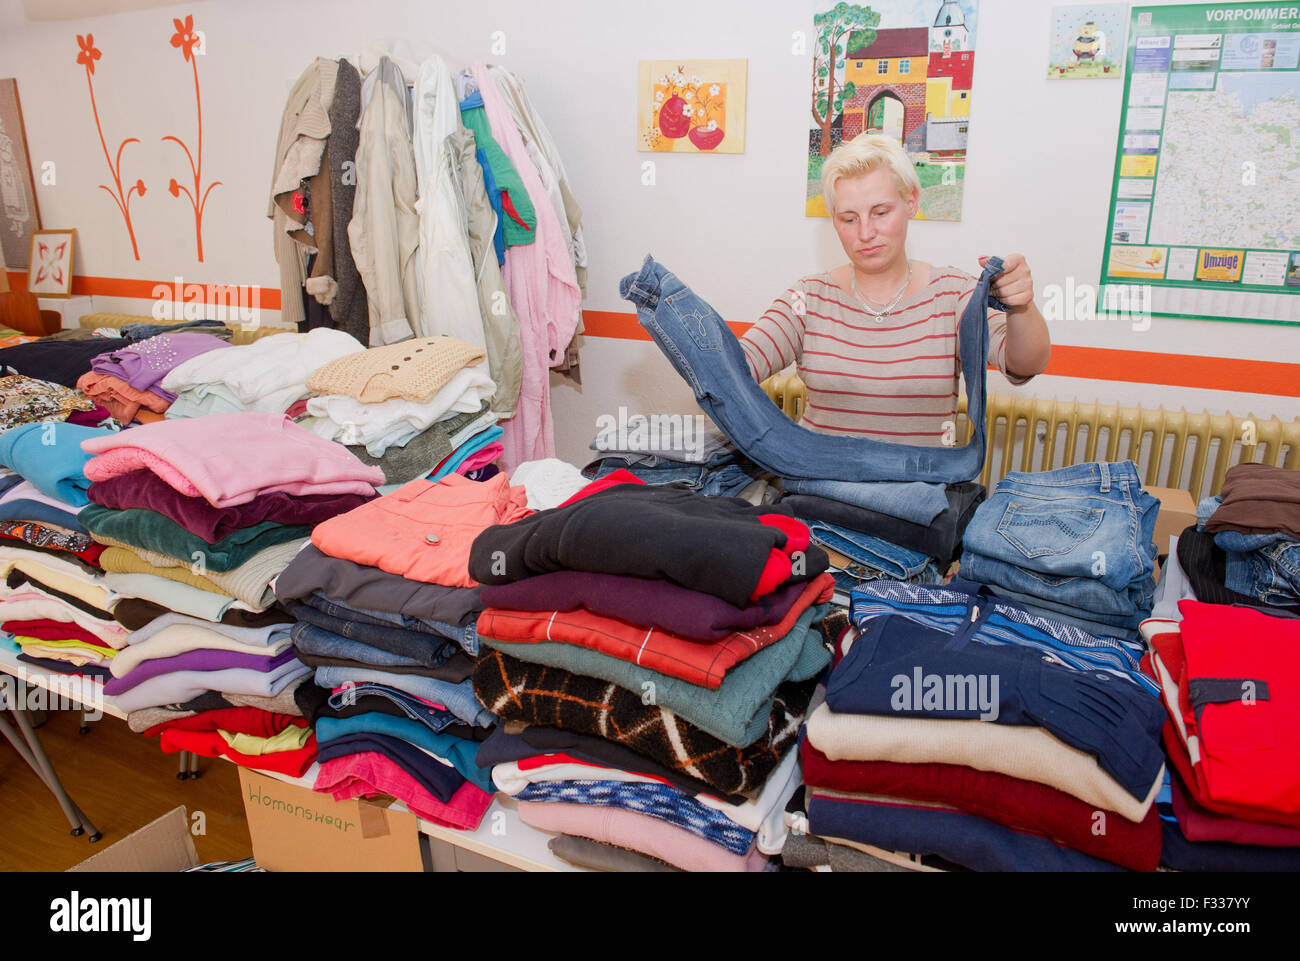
(1089, 521)
(708, 356)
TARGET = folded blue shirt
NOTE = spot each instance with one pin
(457, 750)
(49, 455)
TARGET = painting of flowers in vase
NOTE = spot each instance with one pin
(691, 106)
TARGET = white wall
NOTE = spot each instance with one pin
(1037, 181)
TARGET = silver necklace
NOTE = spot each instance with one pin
(881, 314)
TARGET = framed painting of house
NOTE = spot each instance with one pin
(902, 68)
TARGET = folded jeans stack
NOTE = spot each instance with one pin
(1257, 525)
(1073, 544)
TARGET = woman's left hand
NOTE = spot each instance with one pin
(1015, 285)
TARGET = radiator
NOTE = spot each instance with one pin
(1171, 448)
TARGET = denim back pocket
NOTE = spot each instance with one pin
(1038, 530)
(694, 317)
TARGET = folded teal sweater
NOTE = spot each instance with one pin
(737, 712)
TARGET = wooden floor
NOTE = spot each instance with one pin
(121, 781)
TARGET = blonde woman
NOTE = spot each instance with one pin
(875, 340)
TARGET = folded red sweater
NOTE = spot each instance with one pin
(252, 721)
(1008, 801)
(699, 662)
(212, 744)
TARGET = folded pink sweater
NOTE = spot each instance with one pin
(638, 832)
(230, 459)
(368, 772)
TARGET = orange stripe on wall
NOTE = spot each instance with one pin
(268, 297)
(1090, 363)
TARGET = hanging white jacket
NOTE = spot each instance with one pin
(444, 264)
(384, 230)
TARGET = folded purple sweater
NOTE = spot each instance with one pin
(143, 365)
(641, 600)
(145, 489)
(197, 660)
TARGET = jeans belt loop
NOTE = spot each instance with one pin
(1105, 477)
(648, 297)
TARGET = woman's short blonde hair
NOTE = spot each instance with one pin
(862, 155)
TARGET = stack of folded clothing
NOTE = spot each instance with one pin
(216, 690)
(674, 449)
(659, 649)
(266, 376)
(138, 332)
(1232, 798)
(896, 531)
(960, 726)
(127, 382)
(1254, 525)
(214, 506)
(55, 599)
(415, 409)
(26, 400)
(58, 361)
(1072, 544)
(385, 612)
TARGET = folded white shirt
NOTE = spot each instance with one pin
(266, 370)
(181, 686)
(392, 423)
(180, 638)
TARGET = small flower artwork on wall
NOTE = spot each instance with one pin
(49, 269)
(691, 106)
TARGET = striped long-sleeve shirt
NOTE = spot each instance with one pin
(895, 379)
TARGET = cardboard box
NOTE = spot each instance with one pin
(1177, 513)
(162, 845)
(296, 829)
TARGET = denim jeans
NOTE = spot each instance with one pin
(310, 639)
(431, 717)
(704, 351)
(1205, 507)
(1085, 595)
(362, 618)
(724, 480)
(1088, 522)
(1262, 566)
(853, 577)
(896, 562)
(1103, 625)
(457, 698)
(915, 502)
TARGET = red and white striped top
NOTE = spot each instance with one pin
(895, 380)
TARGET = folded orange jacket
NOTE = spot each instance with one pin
(699, 662)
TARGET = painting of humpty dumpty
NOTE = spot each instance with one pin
(1087, 42)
